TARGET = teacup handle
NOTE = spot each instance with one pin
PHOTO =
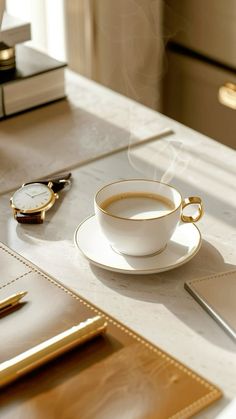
(189, 201)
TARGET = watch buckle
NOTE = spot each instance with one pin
(67, 182)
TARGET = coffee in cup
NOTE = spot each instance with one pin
(138, 217)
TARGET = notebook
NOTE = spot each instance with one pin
(217, 295)
(116, 374)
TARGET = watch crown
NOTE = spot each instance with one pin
(50, 184)
(56, 195)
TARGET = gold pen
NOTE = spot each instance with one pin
(11, 301)
(14, 368)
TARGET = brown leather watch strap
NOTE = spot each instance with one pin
(58, 182)
(36, 218)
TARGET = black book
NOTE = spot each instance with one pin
(36, 80)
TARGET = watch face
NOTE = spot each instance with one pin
(33, 197)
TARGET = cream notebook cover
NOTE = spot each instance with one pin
(217, 295)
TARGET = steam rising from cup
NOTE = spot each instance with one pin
(130, 36)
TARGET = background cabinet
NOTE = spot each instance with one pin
(200, 58)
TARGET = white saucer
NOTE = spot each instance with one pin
(184, 244)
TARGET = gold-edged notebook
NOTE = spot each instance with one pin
(216, 294)
(118, 374)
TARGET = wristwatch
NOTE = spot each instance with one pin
(33, 199)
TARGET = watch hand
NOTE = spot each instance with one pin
(37, 194)
(31, 196)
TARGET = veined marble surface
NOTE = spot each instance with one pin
(157, 306)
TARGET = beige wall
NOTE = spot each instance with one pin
(119, 44)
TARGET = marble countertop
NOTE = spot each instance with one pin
(157, 306)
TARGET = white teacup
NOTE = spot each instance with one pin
(138, 217)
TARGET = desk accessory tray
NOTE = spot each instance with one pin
(118, 374)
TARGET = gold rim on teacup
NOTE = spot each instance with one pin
(193, 200)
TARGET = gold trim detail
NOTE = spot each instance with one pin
(227, 95)
(196, 200)
(7, 53)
